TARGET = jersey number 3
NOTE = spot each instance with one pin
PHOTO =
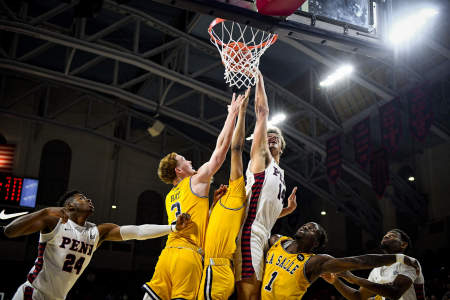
(268, 287)
(176, 206)
(70, 261)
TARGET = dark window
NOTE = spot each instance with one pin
(54, 171)
(150, 210)
(3, 140)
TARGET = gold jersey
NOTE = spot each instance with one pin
(181, 199)
(284, 275)
(225, 222)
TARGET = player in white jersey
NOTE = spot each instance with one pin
(396, 281)
(265, 193)
(67, 242)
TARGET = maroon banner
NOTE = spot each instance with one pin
(420, 114)
(391, 125)
(379, 171)
(361, 142)
(334, 158)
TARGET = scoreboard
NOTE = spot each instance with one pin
(18, 191)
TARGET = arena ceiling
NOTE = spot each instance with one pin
(145, 61)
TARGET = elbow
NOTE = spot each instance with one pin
(9, 232)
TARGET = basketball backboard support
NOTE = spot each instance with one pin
(302, 25)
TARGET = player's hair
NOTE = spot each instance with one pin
(404, 237)
(166, 169)
(277, 131)
(68, 197)
(322, 238)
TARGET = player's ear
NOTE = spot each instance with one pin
(404, 245)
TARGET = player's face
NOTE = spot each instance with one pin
(308, 231)
(274, 142)
(83, 204)
(184, 165)
(392, 242)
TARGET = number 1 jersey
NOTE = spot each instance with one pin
(63, 254)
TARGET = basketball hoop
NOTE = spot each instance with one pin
(240, 49)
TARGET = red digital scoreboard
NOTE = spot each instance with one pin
(10, 189)
(18, 191)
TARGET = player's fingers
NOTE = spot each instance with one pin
(294, 190)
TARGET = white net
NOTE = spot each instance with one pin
(240, 48)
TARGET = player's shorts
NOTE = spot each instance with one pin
(258, 245)
(217, 280)
(177, 274)
(27, 292)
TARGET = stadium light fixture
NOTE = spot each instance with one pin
(411, 178)
(323, 213)
(277, 119)
(113, 206)
(408, 27)
(339, 74)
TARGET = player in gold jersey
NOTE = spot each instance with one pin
(178, 271)
(291, 265)
(225, 222)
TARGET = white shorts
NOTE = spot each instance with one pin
(27, 292)
(259, 243)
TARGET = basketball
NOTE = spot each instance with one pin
(237, 57)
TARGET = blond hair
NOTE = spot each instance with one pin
(277, 131)
(166, 169)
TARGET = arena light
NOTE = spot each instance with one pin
(339, 74)
(323, 213)
(408, 27)
(113, 206)
(277, 119)
(411, 178)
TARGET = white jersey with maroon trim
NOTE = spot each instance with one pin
(265, 193)
(63, 255)
(271, 197)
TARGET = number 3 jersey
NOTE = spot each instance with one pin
(63, 254)
(284, 274)
(181, 199)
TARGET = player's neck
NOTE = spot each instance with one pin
(178, 180)
(298, 247)
(78, 219)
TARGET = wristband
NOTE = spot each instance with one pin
(400, 258)
(173, 227)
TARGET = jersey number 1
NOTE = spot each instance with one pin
(268, 287)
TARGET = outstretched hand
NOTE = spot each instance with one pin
(183, 221)
(233, 108)
(60, 212)
(219, 193)
(292, 200)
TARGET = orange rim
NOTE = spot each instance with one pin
(220, 20)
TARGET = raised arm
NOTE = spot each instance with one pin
(260, 153)
(43, 220)
(207, 170)
(237, 143)
(327, 264)
(113, 232)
